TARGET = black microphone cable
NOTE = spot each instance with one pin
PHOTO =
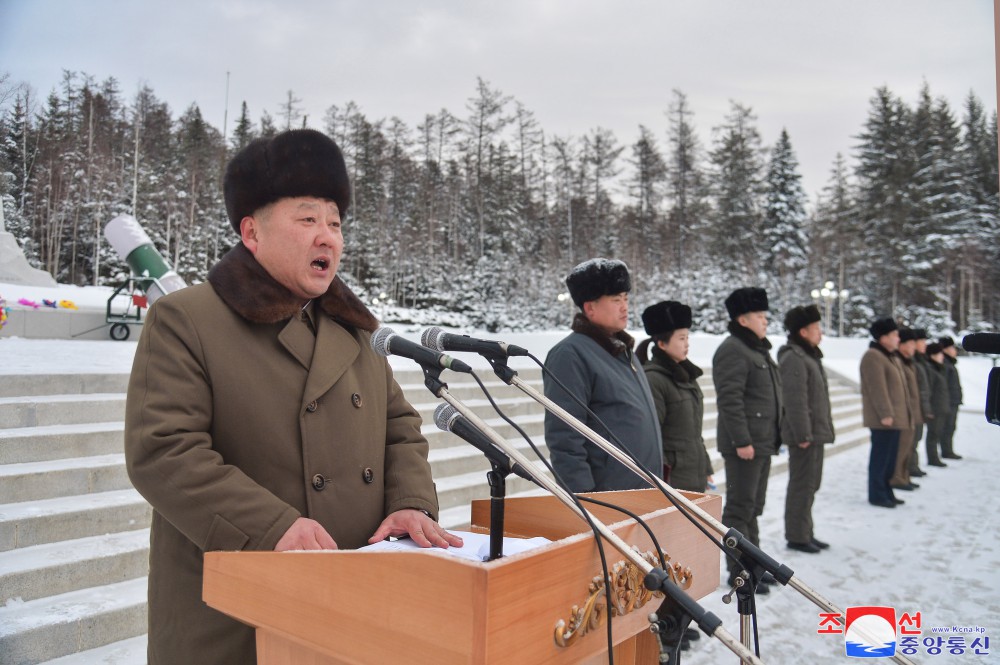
(638, 520)
(586, 516)
(650, 476)
(548, 466)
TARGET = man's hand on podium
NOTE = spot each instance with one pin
(421, 529)
(305, 534)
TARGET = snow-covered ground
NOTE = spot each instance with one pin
(939, 554)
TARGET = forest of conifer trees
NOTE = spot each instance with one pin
(475, 216)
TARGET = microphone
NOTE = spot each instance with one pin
(386, 342)
(439, 340)
(447, 418)
(979, 343)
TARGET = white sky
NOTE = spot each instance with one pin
(809, 66)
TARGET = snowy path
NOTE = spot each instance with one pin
(939, 554)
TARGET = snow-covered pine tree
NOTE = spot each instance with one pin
(737, 189)
(567, 199)
(977, 154)
(645, 243)
(199, 160)
(835, 239)
(686, 186)
(885, 168)
(783, 233)
(18, 160)
(243, 132)
(601, 229)
(486, 120)
(932, 232)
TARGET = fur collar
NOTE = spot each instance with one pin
(251, 292)
(616, 344)
(814, 351)
(682, 372)
(749, 337)
(879, 347)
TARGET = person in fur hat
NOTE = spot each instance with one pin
(749, 403)
(954, 398)
(258, 416)
(907, 350)
(808, 423)
(920, 363)
(885, 407)
(595, 377)
(680, 404)
(937, 379)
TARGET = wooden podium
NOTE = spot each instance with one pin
(325, 608)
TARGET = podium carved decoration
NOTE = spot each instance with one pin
(628, 593)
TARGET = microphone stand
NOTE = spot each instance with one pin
(754, 560)
(656, 579)
(497, 479)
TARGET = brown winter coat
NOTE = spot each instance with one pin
(912, 390)
(884, 390)
(239, 420)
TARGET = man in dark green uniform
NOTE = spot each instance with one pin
(748, 399)
(808, 423)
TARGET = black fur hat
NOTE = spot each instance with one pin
(907, 334)
(945, 342)
(301, 162)
(934, 348)
(920, 333)
(883, 327)
(746, 300)
(798, 318)
(666, 317)
(598, 277)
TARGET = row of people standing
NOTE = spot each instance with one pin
(907, 383)
(593, 375)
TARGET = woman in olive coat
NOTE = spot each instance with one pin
(673, 380)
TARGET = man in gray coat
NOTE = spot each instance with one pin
(808, 423)
(749, 404)
(594, 376)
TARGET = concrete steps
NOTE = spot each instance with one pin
(74, 534)
(47, 628)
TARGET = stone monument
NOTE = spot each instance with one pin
(14, 267)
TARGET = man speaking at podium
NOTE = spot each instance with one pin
(258, 416)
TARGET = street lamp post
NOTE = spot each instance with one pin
(829, 294)
(842, 296)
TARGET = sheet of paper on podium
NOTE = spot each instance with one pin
(475, 546)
